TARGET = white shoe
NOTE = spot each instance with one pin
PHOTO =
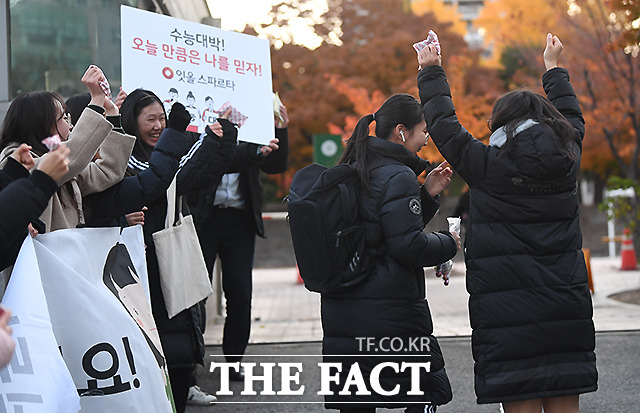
(197, 397)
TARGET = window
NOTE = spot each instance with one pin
(54, 41)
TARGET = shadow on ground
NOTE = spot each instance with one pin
(629, 297)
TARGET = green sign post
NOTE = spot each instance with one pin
(327, 149)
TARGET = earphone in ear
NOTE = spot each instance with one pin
(402, 134)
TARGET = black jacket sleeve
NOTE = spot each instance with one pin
(402, 227)
(247, 156)
(134, 192)
(21, 202)
(12, 170)
(467, 155)
(278, 161)
(560, 92)
(210, 158)
(430, 205)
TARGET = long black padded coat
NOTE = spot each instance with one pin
(389, 310)
(530, 306)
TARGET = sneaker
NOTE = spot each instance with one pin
(197, 397)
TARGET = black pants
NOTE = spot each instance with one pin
(180, 377)
(229, 233)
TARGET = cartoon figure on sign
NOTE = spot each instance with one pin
(193, 110)
(209, 115)
(173, 98)
(121, 279)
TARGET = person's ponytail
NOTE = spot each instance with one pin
(356, 150)
(398, 109)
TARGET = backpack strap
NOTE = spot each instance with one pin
(347, 213)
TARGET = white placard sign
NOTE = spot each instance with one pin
(205, 68)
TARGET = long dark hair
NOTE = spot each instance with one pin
(519, 105)
(30, 118)
(398, 109)
(76, 105)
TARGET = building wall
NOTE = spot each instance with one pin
(48, 44)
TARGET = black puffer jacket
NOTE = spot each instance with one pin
(530, 307)
(390, 306)
(23, 198)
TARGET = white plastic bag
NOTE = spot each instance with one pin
(444, 270)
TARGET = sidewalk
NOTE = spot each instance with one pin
(284, 311)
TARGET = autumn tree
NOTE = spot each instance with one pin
(607, 75)
(365, 56)
(445, 13)
(601, 53)
(604, 71)
(628, 16)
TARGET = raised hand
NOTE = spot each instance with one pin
(284, 122)
(552, 51)
(226, 114)
(91, 79)
(216, 127)
(111, 109)
(438, 179)
(23, 156)
(55, 163)
(122, 95)
(267, 149)
(429, 56)
(179, 117)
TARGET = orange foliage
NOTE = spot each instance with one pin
(330, 88)
(604, 71)
(515, 22)
(445, 13)
(333, 86)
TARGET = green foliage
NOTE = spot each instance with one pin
(520, 60)
(623, 207)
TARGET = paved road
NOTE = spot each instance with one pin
(618, 365)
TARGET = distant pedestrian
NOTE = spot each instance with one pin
(530, 307)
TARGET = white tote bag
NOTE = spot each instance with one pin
(183, 273)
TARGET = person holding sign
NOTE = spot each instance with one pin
(159, 147)
(228, 215)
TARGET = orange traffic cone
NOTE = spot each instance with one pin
(627, 253)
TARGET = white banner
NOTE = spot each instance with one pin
(203, 67)
(37, 379)
(93, 280)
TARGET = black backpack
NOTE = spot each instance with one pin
(328, 238)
